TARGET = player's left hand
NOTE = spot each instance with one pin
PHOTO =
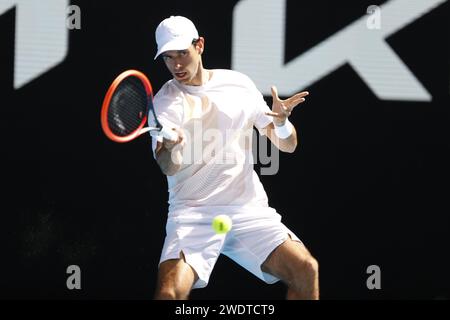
(282, 109)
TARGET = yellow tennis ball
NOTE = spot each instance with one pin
(222, 224)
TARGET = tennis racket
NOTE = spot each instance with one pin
(125, 107)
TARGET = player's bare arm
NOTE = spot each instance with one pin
(281, 110)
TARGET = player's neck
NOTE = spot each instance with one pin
(202, 77)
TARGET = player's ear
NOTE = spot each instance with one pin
(200, 45)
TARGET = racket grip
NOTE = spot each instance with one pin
(169, 134)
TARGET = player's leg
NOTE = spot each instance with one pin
(292, 263)
(175, 280)
(263, 245)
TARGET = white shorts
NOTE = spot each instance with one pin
(256, 232)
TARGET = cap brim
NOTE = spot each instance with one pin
(177, 44)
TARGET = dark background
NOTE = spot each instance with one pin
(369, 184)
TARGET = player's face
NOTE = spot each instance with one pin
(185, 65)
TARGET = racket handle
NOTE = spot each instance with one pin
(169, 134)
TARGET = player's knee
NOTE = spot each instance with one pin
(307, 267)
(165, 294)
(311, 266)
(171, 293)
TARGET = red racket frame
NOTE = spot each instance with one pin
(107, 100)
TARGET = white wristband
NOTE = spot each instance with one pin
(285, 130)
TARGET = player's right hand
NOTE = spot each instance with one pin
(178, 144)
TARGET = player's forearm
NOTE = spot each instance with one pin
(288, 144)
(169, 161)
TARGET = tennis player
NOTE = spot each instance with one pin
(210, 172)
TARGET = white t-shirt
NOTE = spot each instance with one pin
(217, 119)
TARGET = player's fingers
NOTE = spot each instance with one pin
(295, 103)
(298, 97)
(181, 136)
(274, 93)
(175, 138)
(182, 140)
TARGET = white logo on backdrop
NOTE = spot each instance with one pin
(259, 42)
(41, 39)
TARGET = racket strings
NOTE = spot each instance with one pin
(128, 107)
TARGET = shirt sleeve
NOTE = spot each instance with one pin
(261, 120)
(168, 109)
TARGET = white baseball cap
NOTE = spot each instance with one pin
(175, 33)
